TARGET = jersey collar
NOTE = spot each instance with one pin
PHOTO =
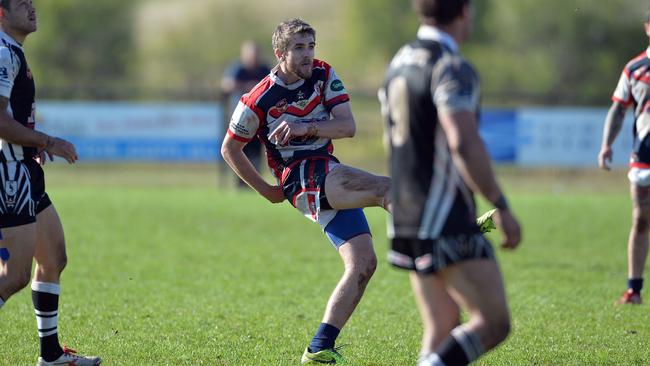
(278, 81)
(10, 40)
(435, 34)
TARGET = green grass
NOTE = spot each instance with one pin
(165, 269)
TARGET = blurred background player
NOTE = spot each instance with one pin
(297, 111)
(29, 222)
(431, 101)
(239, 78)
(633, 89)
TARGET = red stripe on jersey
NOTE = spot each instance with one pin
(237, 137)
(625, 103)
(337, 100)
(643, 77)
(251, 98)
(296, 111)
(636, 164)
(646, 107)
(324, 65)
(636, 59)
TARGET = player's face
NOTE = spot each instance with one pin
(299, 57)
(21, 16)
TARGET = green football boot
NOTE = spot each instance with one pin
(486, 221)
(325, 356)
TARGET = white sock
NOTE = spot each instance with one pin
(432, 359)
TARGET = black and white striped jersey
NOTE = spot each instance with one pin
(17, 84)
(426, 78)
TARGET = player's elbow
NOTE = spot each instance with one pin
(226, 150)
(457, 146)
(351, 129)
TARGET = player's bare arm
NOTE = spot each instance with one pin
(341, 125)
(232, 151)
(473, 162)
(16, 133)
(613, 125)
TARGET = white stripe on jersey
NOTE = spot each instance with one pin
(444, 184)
(9, 68)
(438, 181)
(448, 200)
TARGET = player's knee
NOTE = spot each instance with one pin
(62, 261)
(364, 269)
(502, 329)
(382, 187)
(371, 266)
(497, 329)
(53, 264)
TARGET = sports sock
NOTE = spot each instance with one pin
(636, 284)
(325, 337)
(460, 348)
(431, 359)
(45, 297)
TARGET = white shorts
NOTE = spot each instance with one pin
(639, 176)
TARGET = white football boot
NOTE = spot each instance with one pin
(71, 358)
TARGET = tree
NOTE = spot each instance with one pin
(81, 46)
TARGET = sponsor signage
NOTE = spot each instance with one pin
(136, 131)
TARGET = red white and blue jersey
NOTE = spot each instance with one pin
(633, 89)
(271, 102)
(16, 84)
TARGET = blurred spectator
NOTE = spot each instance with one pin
(239, 78)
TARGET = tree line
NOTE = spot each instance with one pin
(527, 51)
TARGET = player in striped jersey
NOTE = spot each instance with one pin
(30, 226)
(297, 111)
(633, 89)
(430, 101)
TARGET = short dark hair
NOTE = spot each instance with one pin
(440, 11)
(288, 28)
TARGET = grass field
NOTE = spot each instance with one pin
(165, 269)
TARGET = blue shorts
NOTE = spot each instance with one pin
(346, 225)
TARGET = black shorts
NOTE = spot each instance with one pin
(22, 192)
(432, 255)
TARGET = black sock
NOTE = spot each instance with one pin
(460, 348)
(636, 284)
(45, 297)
